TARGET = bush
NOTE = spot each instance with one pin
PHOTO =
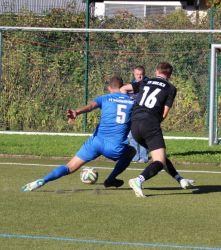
(43, 73)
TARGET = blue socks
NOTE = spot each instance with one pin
(56, 173)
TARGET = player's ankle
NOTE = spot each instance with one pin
(178, 178)
(141, 179)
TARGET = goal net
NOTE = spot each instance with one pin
(44, 72)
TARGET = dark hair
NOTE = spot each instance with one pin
(115, 82)
(165, 68)
(140, 68)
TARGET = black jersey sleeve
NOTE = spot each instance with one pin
(171, 96)
(135, 86)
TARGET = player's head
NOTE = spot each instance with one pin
(115, 83)
(139, 73)
(164, 69)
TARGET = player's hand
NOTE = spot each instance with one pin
(71, 114)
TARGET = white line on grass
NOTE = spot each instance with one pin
(108, 168)
(89, 134)
(106, 242)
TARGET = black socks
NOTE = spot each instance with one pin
(153, 169)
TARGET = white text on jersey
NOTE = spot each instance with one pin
(157, 83)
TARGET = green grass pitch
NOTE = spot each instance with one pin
(46, 146)
(67, 208)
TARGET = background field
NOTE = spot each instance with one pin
(72, 215)
(44, 73)
(187, 151)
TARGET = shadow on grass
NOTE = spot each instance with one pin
(97, 189)
(205, 189)
(189, 153)
(76, 190)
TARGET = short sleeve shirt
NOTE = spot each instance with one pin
(152, 96)
(116, 110)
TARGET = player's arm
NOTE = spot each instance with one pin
(128, 88)
(72, 114)
(165, 111)
(169, 102)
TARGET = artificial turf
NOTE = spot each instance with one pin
(195, 151)
(67, 208)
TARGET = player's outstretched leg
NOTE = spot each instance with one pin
(121, 165)
(56, 173)
(170, 169)
(53, 175)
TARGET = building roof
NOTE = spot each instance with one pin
(40, 6)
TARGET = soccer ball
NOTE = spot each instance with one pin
(88, 175)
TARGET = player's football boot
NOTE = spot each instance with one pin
(186, 183)
(113, 183)
(137, 187)
(33, 185)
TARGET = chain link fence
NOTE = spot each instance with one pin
(43, 73)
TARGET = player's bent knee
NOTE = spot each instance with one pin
(159, 155)
(159, 165)
(75, 163)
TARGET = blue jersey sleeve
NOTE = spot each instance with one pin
(98, 100)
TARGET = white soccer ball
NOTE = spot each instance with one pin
(88, 175)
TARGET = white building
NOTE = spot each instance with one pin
(40, 6)
(142, 9)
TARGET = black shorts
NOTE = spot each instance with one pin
(150, 137)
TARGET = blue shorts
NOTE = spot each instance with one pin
(95, 147)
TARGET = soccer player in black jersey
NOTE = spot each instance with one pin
(154, 100)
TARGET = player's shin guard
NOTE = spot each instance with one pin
(122, 163)
(57, 173)
(170, 169)
(153, 169)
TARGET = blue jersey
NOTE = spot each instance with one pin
(116, 109)
(110, 137)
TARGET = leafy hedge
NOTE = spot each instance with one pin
(43, 73)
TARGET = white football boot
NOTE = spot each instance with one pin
(186, 183)
(137, 187)
(33, 185)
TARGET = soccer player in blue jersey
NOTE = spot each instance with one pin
(109, 138)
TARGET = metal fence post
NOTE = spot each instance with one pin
(86, 58)
(211, 13)
(211, 106)
(1, 54)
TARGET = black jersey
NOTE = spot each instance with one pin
(152, 96)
